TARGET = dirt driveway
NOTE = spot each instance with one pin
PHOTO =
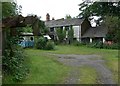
(95, 61)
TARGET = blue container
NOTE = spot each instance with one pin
(25, 44)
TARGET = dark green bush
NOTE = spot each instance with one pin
(77, 43)
(103, 46)
(50, 45)
(92, 45)
(112, 46)
(43, 43)
(14, 58)
(40, 43)
(98, 45)
(61, 34)
(56, 42)
(14, 63)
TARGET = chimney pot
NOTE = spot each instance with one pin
(47, 17)
(53, 18)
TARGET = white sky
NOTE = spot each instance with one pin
(56, 8)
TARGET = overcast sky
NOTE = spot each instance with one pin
(56, 8)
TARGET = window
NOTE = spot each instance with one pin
(52, 29)
(66, 28)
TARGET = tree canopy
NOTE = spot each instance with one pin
(99, 9)
(68, 17)
(10, 9)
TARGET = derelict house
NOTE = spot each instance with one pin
(83, 32)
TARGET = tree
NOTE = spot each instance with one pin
(84, 9)
(111, 23)
(99, 9)
(70, 35)
(43, 28)
(61, 34)
(10, 9)
(68, 17)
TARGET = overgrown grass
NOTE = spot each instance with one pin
(43, 69)
(112, 60)
(88, 75)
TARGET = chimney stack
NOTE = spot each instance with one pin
(53, 18)
(47, 17)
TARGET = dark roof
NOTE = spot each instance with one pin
(99, 31)
(63, 22)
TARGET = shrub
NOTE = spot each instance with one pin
(91, 45)
(41, 43)
(61, 34)
(103, 46)
(50, 45)
(99, 45)
(70, 35)
(14, 63)
(77, 43)
(112, 46)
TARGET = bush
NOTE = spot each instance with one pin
(103, 46)
(50, 45)
(77, 43)
(61, 34)
(99, 45)
(14, 63)
(112, 46)
(41, 43)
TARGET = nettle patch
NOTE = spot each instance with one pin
(13, 63)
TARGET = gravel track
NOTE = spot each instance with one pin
(75, 61)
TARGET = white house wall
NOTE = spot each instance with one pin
(77, 31)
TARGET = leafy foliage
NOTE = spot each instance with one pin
(50, 45)
(77, 43)
(61, 34)
(14, 65)
(43, 43)
(43, 28)
(111, 23)
(10, 9)
(68, 17)
(14, 58)
(103, 45)
(99, 9)
(40, 43)
(13, 55)
(28, 29)
(70, 35)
